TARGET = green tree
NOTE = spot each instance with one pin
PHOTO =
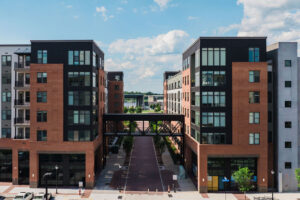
(131, 109)
(138, 109)
(297, 174)
(157, 108)
(125, 110)
(243, 178)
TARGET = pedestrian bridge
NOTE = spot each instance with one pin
(151, 124)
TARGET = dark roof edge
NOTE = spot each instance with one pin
(13, 45)
(224, 37)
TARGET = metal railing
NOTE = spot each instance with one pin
(19, 102)
(19, 120)
(19, 84)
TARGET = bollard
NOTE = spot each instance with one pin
(148, 190)
(168, 188)
(79, 191)
(156, 190)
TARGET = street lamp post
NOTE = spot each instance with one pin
(45, 176)
(56, 169)
(272, 172)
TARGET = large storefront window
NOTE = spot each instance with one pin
(5, 165)
(71, 169)
(218, 168)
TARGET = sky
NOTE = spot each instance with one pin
(145, 38)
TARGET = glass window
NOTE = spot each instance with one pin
(94, 80)
(6, 78)
(216, 56)
(254, 97)
(197, 58)
(41, 116)
(79, 135)
(39, 56)
(41, 97)
(6, 114)
(197, 79)
(27, 78)
(210, 56)
(213, 119)
(288, 145)
(42, 77)
(204, 56)
(254, 76)
(79, 79)
(288, 165)
(42, 135)
(288, 63)
(81, 57)
(6, 133)
(254, 138)
(197, 98)
(70, 60)
(223, 56)
(253, 54)
(6, 61)
(219, 78)
(288, 104)
(254, 117)
(6, 96)
(27, 60)
(45, 56)
(87, 58)
(288, 84)
(288, 124)
(76, 117)
(94, 59)
(207, 78)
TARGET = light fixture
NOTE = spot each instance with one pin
(203, 179)
(89, 176)
(263, 179)
(32, 175)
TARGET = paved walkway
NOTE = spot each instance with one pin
(143, 171)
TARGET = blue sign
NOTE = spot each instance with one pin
(225, 180)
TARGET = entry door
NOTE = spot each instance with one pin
(23, 163)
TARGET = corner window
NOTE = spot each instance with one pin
(287, 63)
(253, 54)
(213, 56)
(77, 117)
(42, 56)
(42, 135)
(42, 77)
(254, 117)
(254, 138)
(254, 76)
(41, 116)
(288, 84)
(6, 61)
(254, 97)
(41, 97)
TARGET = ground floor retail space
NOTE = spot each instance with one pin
(64, 169)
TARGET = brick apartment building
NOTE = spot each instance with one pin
(225, 103)
(116, 96)
(51, 115)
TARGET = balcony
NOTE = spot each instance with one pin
(19, 120)
(19, 102)
(21, 84)
(21, 66)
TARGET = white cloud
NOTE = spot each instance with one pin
(102, 10)
(277, 19)
(192, 18)
(144, 59)
(162, 3)
(75, 16)
(69, 6)
(120, 9)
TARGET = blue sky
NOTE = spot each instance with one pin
(144, 38)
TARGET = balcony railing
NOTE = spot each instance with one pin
(19, 120)
(19, 102)
(22, 65)
(19, 84)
